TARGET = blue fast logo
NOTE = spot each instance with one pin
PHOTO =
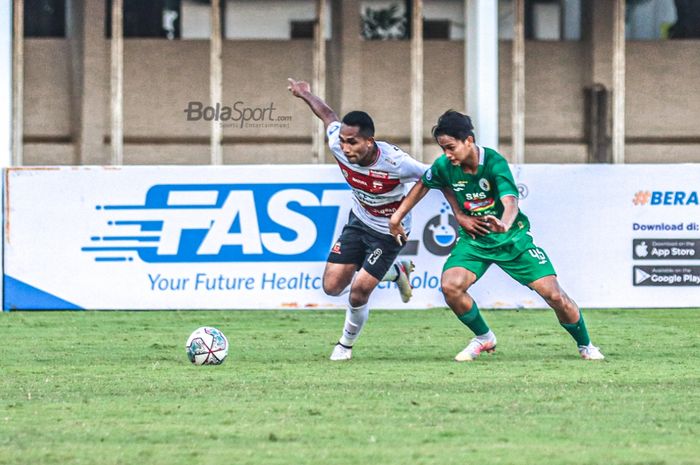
(224, 223)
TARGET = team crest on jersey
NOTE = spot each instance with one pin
(484, 184)
(336, 248)
(379, 174)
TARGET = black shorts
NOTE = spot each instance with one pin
(364, 247)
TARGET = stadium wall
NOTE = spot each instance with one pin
(161, 77)
(257, 236)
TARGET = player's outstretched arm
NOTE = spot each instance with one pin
(302, 90)
(414, 196)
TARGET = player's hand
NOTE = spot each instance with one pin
(396, 230)
(297, 88)
(473, 225)
(495, 224)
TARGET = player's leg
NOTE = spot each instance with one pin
(380, 254)
(568, 313)
(533, 268)
(356, 314)
(460, 272)
(337, 278)
(344, 259)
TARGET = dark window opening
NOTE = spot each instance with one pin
(436, 29)
(152, 18)
(44, 18)
(302, 29)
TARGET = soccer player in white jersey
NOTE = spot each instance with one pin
(365, 253)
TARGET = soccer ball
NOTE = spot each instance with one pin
(207, 346)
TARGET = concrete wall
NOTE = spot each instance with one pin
(662, 100)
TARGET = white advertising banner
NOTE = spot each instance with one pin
(240, 237)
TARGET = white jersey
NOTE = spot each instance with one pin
(379, 188)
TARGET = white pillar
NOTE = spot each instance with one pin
(117, 83)
(5, 111)
(215, 81)
(417, 80)
(5, 83)
(518, 100)
(319, 81)
(618, 135)
(481, 70)
(18, 83)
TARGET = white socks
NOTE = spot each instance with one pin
(355, 318)
(487, 337)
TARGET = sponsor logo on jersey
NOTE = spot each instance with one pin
(192, 223)
(379, 174)
(369, 183)
(477, 206)
(475, 195)
(385, 210)
(336, 248)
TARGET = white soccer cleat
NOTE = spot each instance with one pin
(590, 352)
(403, 281)
(340, 352)
(474, 348)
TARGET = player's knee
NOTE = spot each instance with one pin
(556, 297)
(332, 287)
(358, 299)
(452, 289)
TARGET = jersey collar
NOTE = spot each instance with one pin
(482, 154)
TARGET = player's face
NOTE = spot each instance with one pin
(456, 150)
(357, 149)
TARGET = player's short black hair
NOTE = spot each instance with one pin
(361, 120)
(454, 124)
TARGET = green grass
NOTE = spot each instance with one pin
(116, 388)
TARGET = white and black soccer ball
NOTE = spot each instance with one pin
(207, 346)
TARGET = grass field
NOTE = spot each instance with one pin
(116, 388)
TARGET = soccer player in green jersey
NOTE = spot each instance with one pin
(493, 231)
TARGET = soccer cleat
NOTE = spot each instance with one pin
(403, 281)
(341, 352)
(474, 348)
(590, 352)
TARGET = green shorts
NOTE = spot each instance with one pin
(525, 262)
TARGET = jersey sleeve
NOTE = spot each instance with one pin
(333, 133)
(505, 185)
(411, 169)
(434, 177)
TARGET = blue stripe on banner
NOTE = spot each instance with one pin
(19, 295)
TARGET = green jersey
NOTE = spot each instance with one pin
(480, 194)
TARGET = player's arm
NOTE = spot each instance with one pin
(302, 90)
(510, 212)
(474, 226)
(414, 196)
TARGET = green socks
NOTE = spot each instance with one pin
(475, 321)
(578, 331)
